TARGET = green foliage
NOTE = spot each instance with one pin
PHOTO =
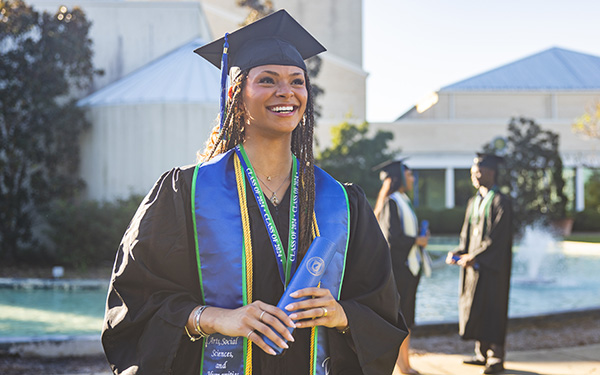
(463, 187)
(533, 174)
(42, 58)
(588, 124)
(87, 233)
(592, 191)
(353, 153)
(587, 220)
(585, 237)
(313, 67)
(446, 221)
(258, 9)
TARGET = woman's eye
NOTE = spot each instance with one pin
(298, 81)
(266, 80)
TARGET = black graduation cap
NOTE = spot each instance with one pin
(394, 169)
(488, 160)
(276, 39)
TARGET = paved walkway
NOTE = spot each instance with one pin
(580, 360)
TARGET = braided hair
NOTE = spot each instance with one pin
(233, 133)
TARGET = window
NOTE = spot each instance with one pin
(463, 187)
(430, 188)
(591, 187)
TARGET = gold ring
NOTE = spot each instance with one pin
(249, 333)
(324, 312)
(261, 315)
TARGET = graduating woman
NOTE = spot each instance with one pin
(400, 226)
(212, 247)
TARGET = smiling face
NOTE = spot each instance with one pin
(275, 99)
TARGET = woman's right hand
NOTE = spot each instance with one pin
(449, 259)
(422, 241)
(247, 321)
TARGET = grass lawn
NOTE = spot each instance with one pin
(584, 237)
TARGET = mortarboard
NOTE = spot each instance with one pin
(394, 169)
(488, 160)
(276, 39)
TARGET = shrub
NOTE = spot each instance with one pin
(352, 154)
(447, 221)
(88, 232)
(587, 220)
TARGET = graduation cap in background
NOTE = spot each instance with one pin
(276, 39)
(394, 169)
(488, 160)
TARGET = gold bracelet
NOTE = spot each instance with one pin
(192, 338)
(197, 327)
(344, 330)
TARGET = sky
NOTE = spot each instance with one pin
(412, 48)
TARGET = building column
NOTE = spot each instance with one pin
(553, 106)
(579, 189)
(449, 187)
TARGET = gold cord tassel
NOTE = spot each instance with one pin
(241, 188)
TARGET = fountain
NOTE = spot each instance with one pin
(538, 257)
(545, 279)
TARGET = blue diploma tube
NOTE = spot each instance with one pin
(308, 274)
(424, 228)
(456, 258)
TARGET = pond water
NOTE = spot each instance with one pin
(43, 312)
(560, 283)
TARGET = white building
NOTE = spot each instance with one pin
(157, 100)
(441, 136)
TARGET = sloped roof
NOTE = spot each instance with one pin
(552, 69)
(179, 76)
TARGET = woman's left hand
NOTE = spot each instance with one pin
(320, 309)
(466, 260)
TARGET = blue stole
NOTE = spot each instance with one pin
(221, 260)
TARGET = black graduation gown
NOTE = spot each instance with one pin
(400, 245)
(155, 286)
(483, 293)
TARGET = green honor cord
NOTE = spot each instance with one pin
(286, 263)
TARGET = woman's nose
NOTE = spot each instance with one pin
(284, 90)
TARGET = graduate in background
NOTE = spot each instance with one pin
(400, 227)
(213, 246)
(485, 255)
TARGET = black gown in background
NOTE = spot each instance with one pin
(400, 244)
(155, 286)
(484, 293)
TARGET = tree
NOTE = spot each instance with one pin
(533, 173)
(43, 58)
(258, 9)
(352, 155)
(588, 124)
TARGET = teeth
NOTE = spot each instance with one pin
(282, 109)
